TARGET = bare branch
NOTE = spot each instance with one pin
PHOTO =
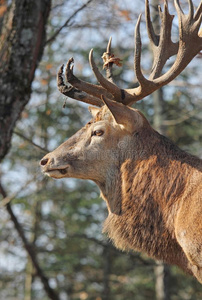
(53, 37)
(8, 199)
(31, 142)
(181, 119)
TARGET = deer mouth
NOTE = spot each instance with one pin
(62, 171)
(56, 172)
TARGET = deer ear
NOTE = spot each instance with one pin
(124, 115)
(93, 110)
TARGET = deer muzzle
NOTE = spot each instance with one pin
(52, 169)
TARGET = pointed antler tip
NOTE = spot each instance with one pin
(165, 2)
(137, 27)
(60, 81)
(70, 61)
(109, 45)
(159, 8)
(109, 42)
(60, 71)
(91, 55)
(61, 68)
(178, 7)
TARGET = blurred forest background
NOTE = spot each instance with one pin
(51, 242)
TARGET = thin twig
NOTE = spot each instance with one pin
(180, 120)
(8, 199)
(31, 142)
(67, 22)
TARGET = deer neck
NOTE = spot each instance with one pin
(111, 190)
(150, 162)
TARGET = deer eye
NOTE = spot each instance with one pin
(97, 132)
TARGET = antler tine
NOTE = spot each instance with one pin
(109, 45)
(75, 93)
(165, 47)
(153, 37)
(137, 55)
(189, 27)
(106, 56)
(198, 12)
(106, 84)
(178, 7)
(191, 10)
(88, 88)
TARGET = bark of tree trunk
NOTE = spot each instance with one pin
(28, 280)
(22, 39)
(162, 285)
(106, 273)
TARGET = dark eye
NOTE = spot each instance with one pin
(97, 132)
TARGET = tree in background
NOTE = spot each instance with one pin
(22, 30)
(61, 221)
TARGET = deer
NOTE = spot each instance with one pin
(152, 188)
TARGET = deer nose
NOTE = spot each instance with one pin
(44, 161)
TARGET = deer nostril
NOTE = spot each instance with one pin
(44, 161)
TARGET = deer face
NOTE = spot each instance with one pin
(98, 147)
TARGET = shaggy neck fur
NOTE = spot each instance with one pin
(142, 197)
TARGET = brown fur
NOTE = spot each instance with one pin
(154, 190)
(151, 187)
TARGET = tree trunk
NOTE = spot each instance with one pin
(158, 111)
(22, 39)
(28, 280)
(106, 273)
(162, 274)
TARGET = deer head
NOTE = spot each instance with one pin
(94, 147)
(97, 151)
(125, 157)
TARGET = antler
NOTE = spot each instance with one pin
(189, 45)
